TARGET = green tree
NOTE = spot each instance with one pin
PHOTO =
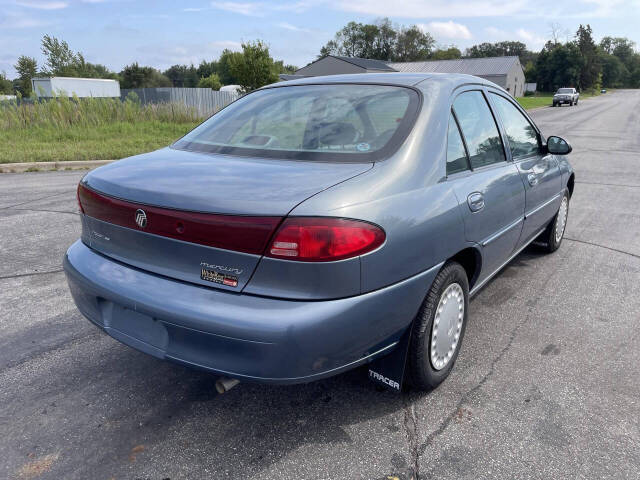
(212, 82)
(135, 76)
(381, 41)
(207, 68)
(26, 68)
(280, 67)
(224, 66)
(591, 70)
(450, 53)
(6, 85)
(558, 65)
(482, 50)
(254, 68)
(60, 59)
(412, 44)
(182, 75)
(530, 72)
(614, 72)
(63, 62)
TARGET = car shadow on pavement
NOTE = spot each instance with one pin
(122, 414)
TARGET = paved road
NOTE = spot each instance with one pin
(547, 384)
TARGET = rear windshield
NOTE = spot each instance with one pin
(350, 123)
(565, 90)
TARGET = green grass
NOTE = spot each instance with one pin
(104, 142)
(89, 129)
(545, 100)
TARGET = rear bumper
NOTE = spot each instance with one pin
(239, 335)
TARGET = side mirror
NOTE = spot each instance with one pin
(558, 145)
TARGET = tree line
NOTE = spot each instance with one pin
(250, 68)
(580, 62)
(577, 62)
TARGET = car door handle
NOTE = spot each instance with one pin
(533, 179)
(475, 201)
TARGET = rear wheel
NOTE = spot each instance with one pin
(439, 328)
(554, 233)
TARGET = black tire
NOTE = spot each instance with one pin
(549, 237)
(421, 374)
(555, 104)
(571, 103)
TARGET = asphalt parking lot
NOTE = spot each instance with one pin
(547, 384)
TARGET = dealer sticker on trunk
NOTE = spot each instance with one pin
(221, 278)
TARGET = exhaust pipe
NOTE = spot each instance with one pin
(224, 384)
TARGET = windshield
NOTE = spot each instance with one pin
(339, 122)
(565, 90)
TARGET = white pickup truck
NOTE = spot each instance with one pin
(566, 95)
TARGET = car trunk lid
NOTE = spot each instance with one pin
(197, 217)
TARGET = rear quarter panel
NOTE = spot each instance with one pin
(407, 196)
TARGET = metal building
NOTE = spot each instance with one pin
(336, 65)
(70, 86)
(504, 71)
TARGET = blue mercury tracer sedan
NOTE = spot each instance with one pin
(320, 224)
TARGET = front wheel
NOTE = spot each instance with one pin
(438, 329)
(554, 233)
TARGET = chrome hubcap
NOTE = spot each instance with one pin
(562, 219)
(447, 325)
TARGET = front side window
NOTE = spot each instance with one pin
(311, 122)
(522, 137)
(479, 129)
(456, 153)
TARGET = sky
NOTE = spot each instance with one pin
(162, 33)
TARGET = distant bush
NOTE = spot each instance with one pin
(529, 93)
(212, 82)
(65, 112)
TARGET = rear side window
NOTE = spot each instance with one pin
(479, 129)
(456, 154)
(339, 122)
(522, 137)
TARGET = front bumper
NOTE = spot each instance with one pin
(560, 101)
(242, 336)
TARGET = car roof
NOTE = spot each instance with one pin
(395, 78)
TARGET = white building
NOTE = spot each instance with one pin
(70, 86)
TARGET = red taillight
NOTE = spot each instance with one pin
(318, 239)
(78, 199)
(240, 233)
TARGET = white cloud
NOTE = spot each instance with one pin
(194, 9)
(12, 21)
(43, 5)
(436, 8)
(494, 32)
(295, 7)
(532, 39)
(163, 56)
(293, 28)
(448, 29)
(249, 9)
